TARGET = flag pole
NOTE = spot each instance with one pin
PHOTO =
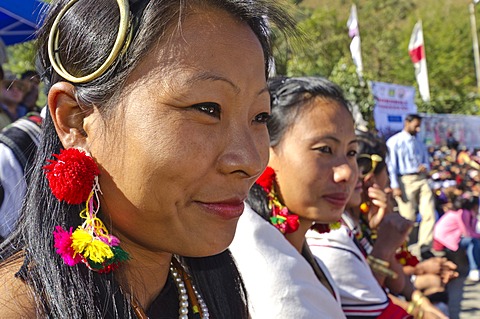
(416, 50)
(355, 44)
(476, 56)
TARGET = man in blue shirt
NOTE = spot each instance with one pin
(408, 167)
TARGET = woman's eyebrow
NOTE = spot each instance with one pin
(209, 76)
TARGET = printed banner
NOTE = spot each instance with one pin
(392, 103)
(464, 128)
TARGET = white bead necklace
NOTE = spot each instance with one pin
(182, 289)
(183, 297)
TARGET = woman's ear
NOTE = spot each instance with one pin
(67, 115)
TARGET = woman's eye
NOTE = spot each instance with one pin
(324, 149)
(209, 108)
(352, 153)
(262, 118)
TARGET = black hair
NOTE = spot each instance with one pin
(29, 74)
(465, 200)
(369, 143)
(289, 97)
(411, 117)
(86, 36)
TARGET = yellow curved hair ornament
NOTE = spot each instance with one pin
(54, 57)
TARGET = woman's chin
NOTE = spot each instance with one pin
(210, 247)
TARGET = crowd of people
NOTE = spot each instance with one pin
(20, 130)
(18, 95)
(169, 177)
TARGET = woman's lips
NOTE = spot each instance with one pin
(226, 209)
(337, 199)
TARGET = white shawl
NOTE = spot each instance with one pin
(279, 281)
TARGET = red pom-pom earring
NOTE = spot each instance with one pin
(73, 178)
(281, 217)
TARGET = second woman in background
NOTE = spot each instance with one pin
(310, 176)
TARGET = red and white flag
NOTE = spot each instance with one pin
(354, 33)
(416, 49)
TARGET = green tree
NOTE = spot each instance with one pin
(21, 57)
(385, 29)
(356, 91)
(325, 44)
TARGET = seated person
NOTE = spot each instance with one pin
(457, 229)
(12, 91)
(18, 144)
(361, 267)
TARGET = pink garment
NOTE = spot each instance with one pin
(453, 225)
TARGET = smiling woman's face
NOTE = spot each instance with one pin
(194, 139)
(316, 163)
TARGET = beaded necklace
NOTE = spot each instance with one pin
(186, 290)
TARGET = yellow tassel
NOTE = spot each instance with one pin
(80, 240)
(97, 251)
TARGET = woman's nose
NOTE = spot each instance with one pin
(246, 153)
(344, 172)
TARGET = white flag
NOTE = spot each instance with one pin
(354, 33)
(416, 49)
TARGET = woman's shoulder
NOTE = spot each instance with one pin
(16, 299)
(256, 235)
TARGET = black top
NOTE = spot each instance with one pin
(166, 305)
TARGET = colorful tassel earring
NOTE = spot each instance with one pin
(73, 178)
(281, 217)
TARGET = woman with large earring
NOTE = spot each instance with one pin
(309, 178)
(154, 134)
(345, 253)
(361, 254)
